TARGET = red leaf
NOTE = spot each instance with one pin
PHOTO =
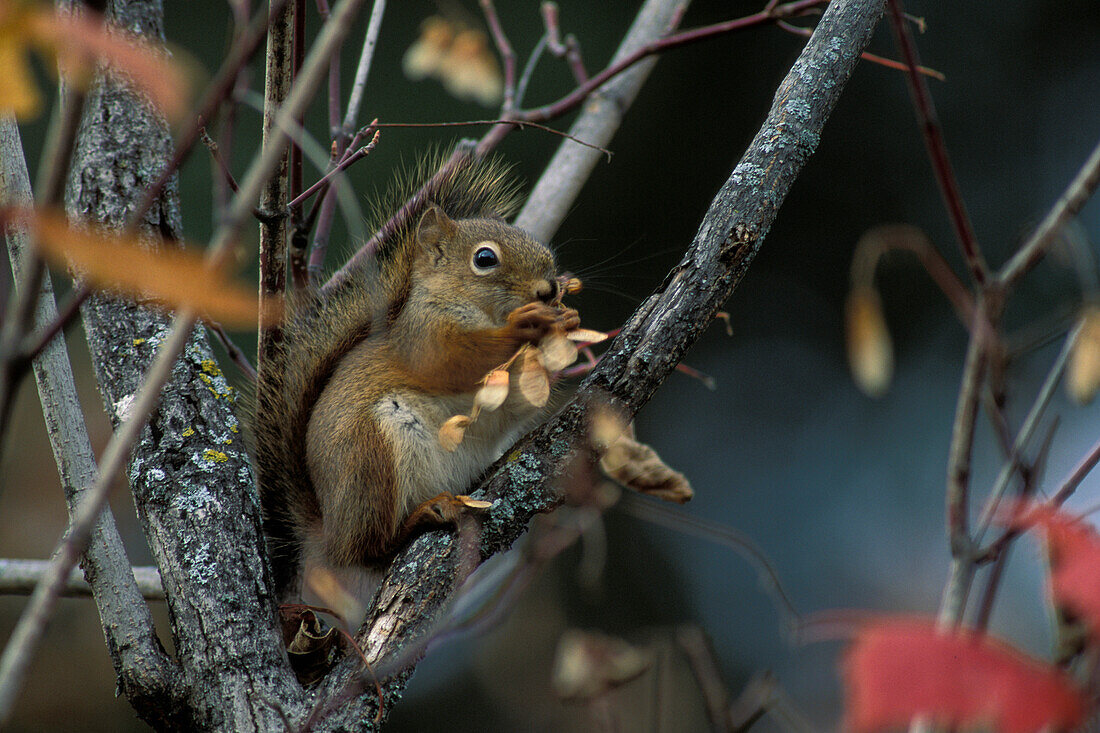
(1074, 563)
(899, 669)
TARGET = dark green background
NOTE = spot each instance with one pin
(844, 494)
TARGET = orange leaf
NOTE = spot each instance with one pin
(1074, 564)
(78, 38)
(18, 92)
(899, 669)
(175, 277)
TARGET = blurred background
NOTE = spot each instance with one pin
(843, 493)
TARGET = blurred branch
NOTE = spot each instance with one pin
(18, 577)
(144, 672)
(422, 577)
(1071, 201)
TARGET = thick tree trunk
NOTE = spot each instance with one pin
(190, 474)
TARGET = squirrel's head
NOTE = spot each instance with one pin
(485, 262)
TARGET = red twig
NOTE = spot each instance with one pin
(937, 149)
(507, 55)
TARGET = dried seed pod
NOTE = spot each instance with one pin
(472, 503)
(557, 352)
(1083, 378)
(453, 431)
(493, 391)
(586, 336)
(534, 381)
(870, 351)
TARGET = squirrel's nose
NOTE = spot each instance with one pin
(546, 290)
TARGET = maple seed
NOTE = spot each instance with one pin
(870, 351)
(453, 431)
(534, 382)
(471, 503)
(586, 336)
(493, 392)
(557, 352)
(1083, 378)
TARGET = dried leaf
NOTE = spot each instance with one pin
(472, 503)
(1083, 373)
(637, 466)
(493, 392)
(557, 352)
(175, 277)
(870, 351)
(453, 431)
(899, 669)
(310, 647)
(586, 336)
(534, 381)
(470, 71)
(588, 665)
(425, 57)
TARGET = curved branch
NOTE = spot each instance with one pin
(423, 577)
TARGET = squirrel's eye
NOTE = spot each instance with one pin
(486, 258)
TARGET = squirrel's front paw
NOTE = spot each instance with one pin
(533, 321)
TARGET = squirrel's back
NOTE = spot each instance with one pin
(320, 329)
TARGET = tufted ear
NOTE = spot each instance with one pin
(435, 227)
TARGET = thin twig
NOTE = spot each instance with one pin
(355, 99)
(937, 149)
(219, 161)
(278, 77)
(326, 180)
(570, 49)
(1031, 422)
(519, 123)
(1067, 206)
(1032, 478)
(958, 473)
(233, 351)
(507, 55)
(19, 577)
(866, 56)
(529, 70)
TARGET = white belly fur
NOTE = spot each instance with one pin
(412, 421)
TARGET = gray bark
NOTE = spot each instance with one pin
(189, 474)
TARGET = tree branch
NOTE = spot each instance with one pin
(422, 578)
(19, 577)
(144, 672)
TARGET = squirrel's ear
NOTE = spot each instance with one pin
(435, 226)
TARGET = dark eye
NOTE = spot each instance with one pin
(486, 258)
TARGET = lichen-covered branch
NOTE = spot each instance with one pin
(648, 349)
